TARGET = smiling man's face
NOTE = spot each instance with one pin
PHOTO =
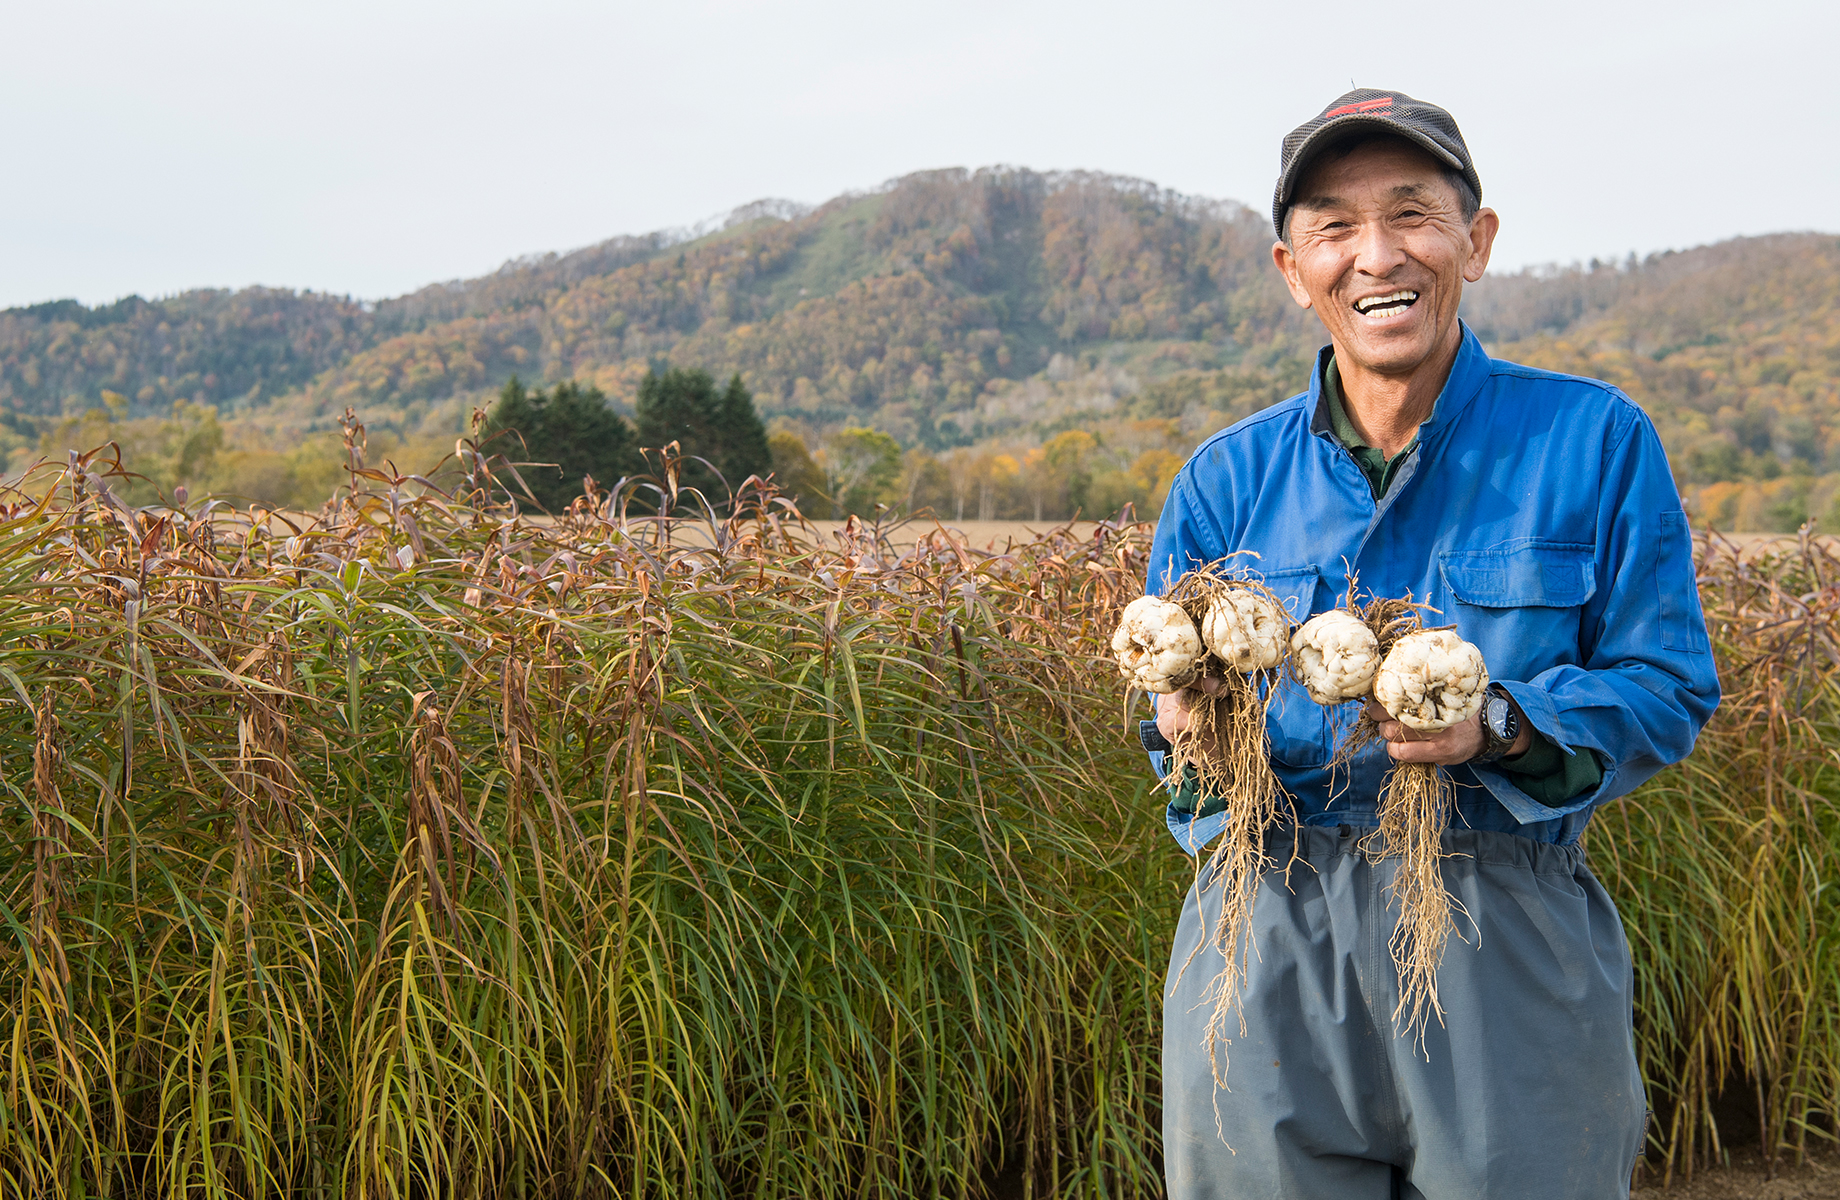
(1380, 249)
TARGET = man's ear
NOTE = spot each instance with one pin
(1287, 266)
(1482, 233)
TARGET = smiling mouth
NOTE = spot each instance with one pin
(1389, 305)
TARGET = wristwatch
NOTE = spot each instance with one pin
(1501, 725)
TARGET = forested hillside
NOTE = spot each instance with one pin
(1734, 349)
(231, 349)
(1032, 342)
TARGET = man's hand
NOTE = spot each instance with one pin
(1172, 710)
(1447, 747)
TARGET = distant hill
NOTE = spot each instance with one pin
(994, 308)
(895, 308)
(233, 349)
(1733, 349)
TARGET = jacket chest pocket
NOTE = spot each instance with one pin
(1295, 587)
(1520, 601)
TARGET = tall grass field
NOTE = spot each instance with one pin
(425, 849)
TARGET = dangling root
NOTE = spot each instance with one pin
(1238, 770)
(1255, 805)
(1232, 722)
(1415, 804)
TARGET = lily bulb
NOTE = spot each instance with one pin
(1157, 646)
(1431, 679)
(1336, 656)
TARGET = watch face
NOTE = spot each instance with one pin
(1500, 727)
(1497, 714)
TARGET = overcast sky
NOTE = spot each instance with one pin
(371, 147)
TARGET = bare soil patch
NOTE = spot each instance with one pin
(1746, 1179)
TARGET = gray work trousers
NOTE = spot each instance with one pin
(1529, 1089)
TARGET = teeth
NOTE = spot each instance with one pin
(1390, 305)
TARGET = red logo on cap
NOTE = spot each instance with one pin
(1365, 106)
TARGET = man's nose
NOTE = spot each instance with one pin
(1378, 249)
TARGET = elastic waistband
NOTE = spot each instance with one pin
(1319, 843)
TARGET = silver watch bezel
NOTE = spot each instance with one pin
(1496, 742)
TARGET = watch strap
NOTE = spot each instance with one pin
(1497, 739)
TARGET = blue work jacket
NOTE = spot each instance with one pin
(1536, 512)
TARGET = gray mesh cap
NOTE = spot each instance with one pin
(1370, 110)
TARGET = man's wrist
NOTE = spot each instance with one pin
(1524, 741)
(1506, 732)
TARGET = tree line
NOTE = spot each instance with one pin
(557, 440)
(561, 439)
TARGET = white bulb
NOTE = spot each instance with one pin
(1156, 645)
(1336, 656)
(1245, 629)
(1431, 680)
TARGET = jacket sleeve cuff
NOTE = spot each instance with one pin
(1536, 703)
(1193, 833)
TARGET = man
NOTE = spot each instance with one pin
(1537, 513)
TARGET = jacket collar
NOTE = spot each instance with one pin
(1467, 375)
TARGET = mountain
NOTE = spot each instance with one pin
(896, 308)
(901, 309)
(992, 311)
(1733, 349)
(210, 346)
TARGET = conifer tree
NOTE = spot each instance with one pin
(684, 406)
(742, 434)
(570, 427)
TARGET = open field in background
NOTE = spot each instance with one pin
(902, 534)
(997, 535)
(436, 851)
